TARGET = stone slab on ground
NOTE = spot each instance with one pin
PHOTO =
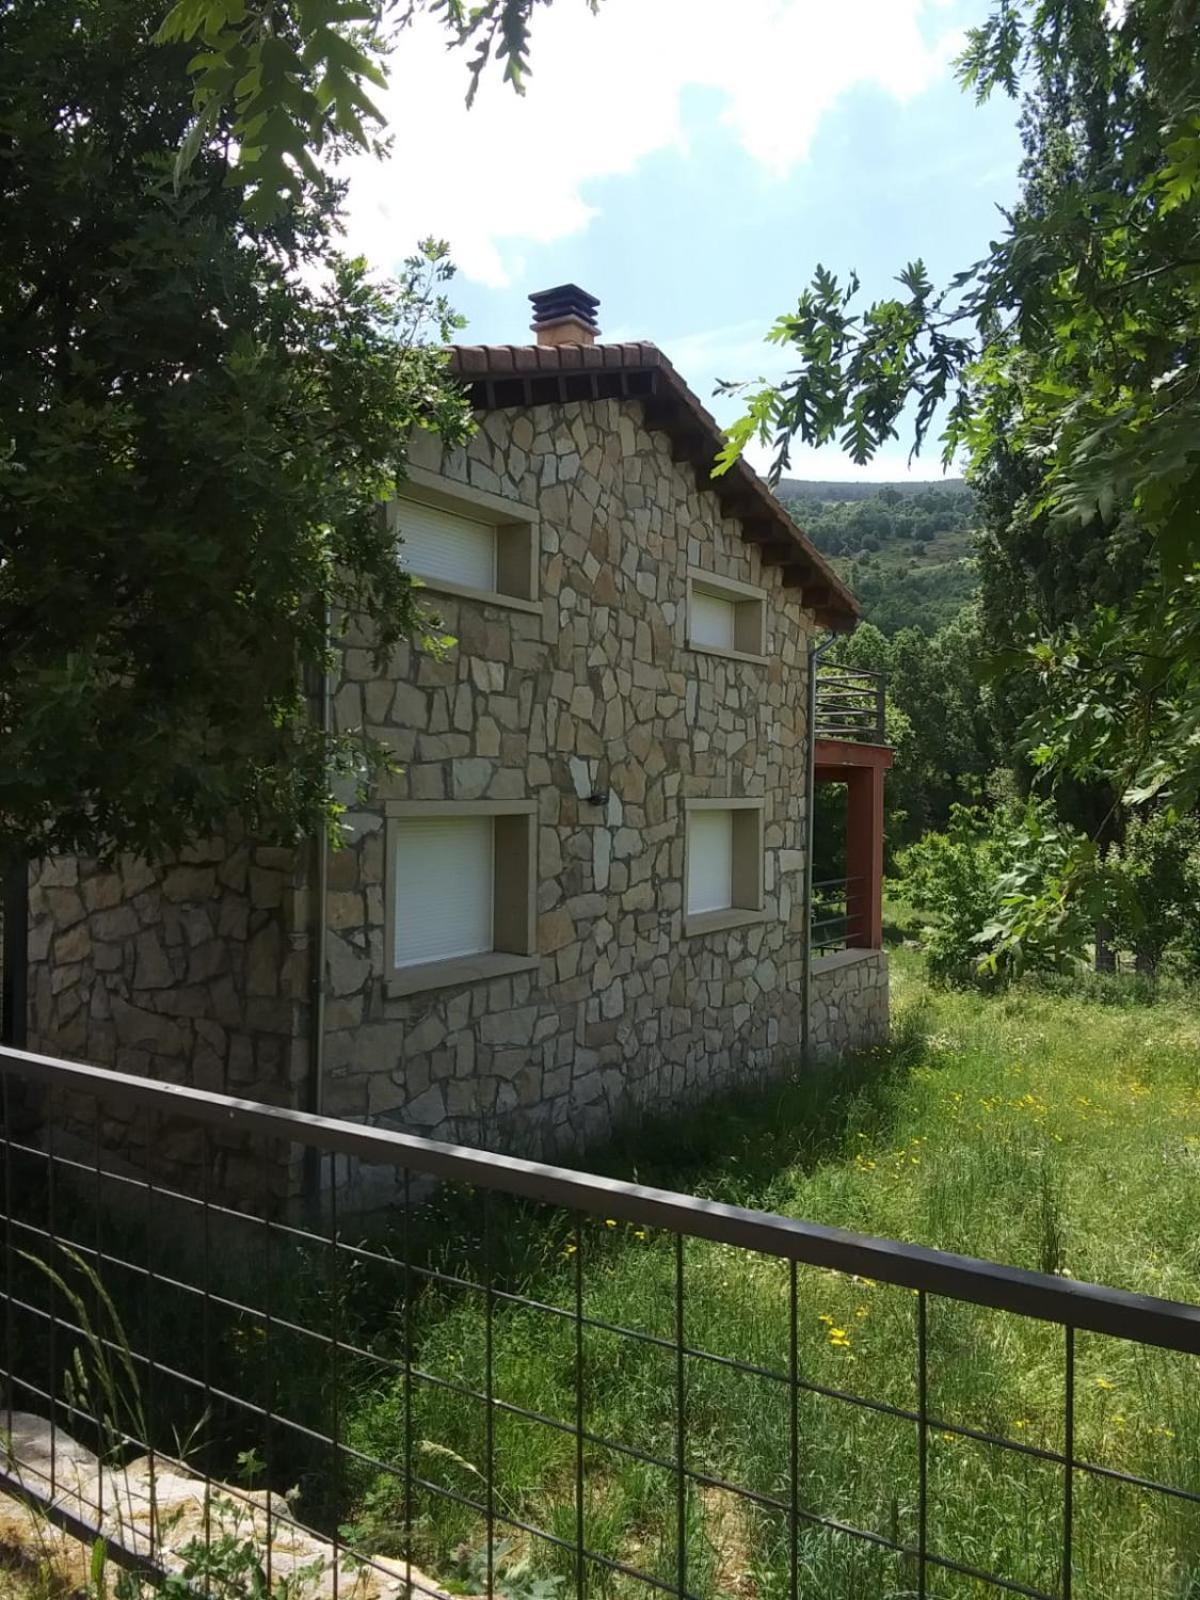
(159, 1508)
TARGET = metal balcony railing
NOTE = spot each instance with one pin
(850, 704)
(181, 1333)
(839, 914)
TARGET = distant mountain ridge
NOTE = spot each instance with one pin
(832, 490)
(907, 549)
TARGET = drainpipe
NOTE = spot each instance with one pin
(815, 653)
(317, 944)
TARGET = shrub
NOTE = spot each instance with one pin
(1009, 890)
(953, 877)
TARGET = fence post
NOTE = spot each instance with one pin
(14, 1002)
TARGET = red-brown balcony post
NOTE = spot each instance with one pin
(864, 856)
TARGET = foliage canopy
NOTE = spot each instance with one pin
(200, 416)
(291, 81)
(1069, 355)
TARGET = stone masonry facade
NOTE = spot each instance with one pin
(195, 974)
(849, 1002)
(202, 973)
(600, 692)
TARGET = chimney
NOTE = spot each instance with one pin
(566, 315)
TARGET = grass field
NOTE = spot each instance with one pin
(1042, 1129)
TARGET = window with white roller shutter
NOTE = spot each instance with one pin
(709, 861)
(444, 546)
(461, 892)
(713, 621)
(457, 539)
(723, 864)
(725, 616)
(444, 876)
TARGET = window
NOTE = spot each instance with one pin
(724, 864)
(445, 868)
(460, 902)
(710, 862)
(459, 540)
(725, 617)
(713, 621)
(442, 544)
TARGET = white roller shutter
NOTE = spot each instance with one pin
(440, 544)
(713, 621)
(443, 879)
(709, 861)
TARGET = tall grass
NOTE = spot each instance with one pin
(1051, 1128)
(1035, 1128)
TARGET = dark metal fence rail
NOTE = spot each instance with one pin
(139, 1239)
(851, 704)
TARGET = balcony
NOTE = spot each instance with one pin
(849, 749)
(850, 705)
(839, 915)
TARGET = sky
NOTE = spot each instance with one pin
(690, 162)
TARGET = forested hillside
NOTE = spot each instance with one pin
(904, 548)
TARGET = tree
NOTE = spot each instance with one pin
(939, 721)
(200, 416)
(291, 80)
(1158, 866)
(987, 881)
(1070, 357)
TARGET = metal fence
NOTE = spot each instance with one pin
(851, 704)
(191, 1374)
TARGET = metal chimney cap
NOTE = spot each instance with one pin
(566, 300)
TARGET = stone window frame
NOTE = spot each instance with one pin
(750, 616)
(514, 896)
(749, 867)
(518, 538)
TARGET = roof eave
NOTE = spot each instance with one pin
(501, 376)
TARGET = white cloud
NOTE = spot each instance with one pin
(605, 94)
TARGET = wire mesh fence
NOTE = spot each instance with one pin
(522, 1380)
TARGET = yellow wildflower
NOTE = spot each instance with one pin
(1104, 1383)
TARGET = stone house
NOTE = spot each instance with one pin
(585, 892)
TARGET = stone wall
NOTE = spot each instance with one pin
(597, 692)
(196, 973)
(849, 1002)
